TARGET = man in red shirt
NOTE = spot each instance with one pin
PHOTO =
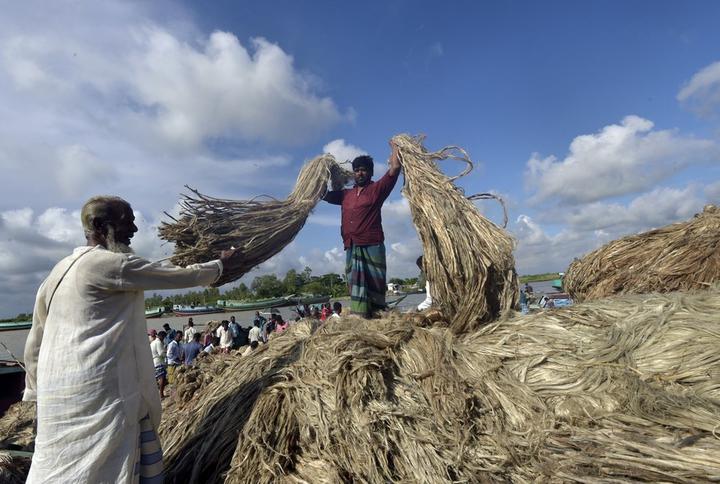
(362, 233)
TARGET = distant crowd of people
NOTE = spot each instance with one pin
(171, 348)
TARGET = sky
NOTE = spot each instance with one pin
(593, 120)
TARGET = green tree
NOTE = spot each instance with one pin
(396, 280)
(314, 287)
(239, 292)
(292, 282)
(306, 276)
(267, 286)
(410, 281)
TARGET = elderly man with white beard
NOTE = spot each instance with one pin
(89, 366)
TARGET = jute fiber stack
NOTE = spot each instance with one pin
(17, 426)
(467, 258)
(260, 228)
(676, 257)
(13, 469)
(620, 390)
(17, 432)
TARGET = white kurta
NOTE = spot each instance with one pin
(89, 365)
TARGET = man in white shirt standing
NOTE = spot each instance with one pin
(96, 396)
(225, 336)
(157, 350)
(190, 331)
(337, 310)
(428, 297)
(255, 334)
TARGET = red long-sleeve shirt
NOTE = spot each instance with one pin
(361, 219)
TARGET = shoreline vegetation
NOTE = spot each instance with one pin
(547, 276)
(271, 286)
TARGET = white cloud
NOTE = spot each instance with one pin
(79, 167)
(654, 209)
(702, 92)
(224, 89)
(712, 192)
(343, 151)
(125, 98)
(589, 226)
(619, 160)
(31, 244)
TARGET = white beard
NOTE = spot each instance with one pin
(115, 246)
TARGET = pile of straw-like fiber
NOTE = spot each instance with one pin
(17, 432)
(677, 257)
(13, 469)
(468, 259)
(17, 427)
(260, 228)
(626, 389)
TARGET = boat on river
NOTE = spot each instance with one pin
(15, 325)
(195, 310)
(309, 299)
(154, 312)
(231, 305)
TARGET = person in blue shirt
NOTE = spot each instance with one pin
(170, 334)
(235, 332)
(193, 349)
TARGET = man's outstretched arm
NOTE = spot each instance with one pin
(394, 161)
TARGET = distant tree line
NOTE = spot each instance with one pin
(267, 286)
(19, 317)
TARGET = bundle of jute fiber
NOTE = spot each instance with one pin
(17, 433)
(260, 228)
(467, 258)
(619, 390)
(676, 257)
(13, 468)
(17, 427)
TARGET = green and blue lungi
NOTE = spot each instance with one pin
(365, 269)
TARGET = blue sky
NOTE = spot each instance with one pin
(593, 120)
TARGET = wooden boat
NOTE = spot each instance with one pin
(195, 310)
(395, 302)
(15, 325)
(230, 305)
(154, 312)
(555, 300)
(310, 299)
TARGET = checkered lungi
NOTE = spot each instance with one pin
(365, 269)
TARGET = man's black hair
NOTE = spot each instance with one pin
(337, 306)
(166, 325)
(364, 161)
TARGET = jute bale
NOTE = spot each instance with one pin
(17, 426)
(467, 258)
(676, 257)
(614, 390)
(260, 228)
(14, 469)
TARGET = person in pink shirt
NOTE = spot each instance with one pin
(280, 324)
